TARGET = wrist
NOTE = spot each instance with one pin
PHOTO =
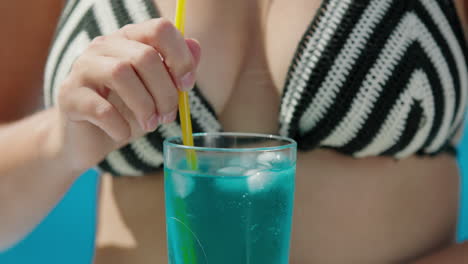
(53, 149)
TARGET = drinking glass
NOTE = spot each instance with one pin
(229, 198)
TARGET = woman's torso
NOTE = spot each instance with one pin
(373, 210)
(346, 211)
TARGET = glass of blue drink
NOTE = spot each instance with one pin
(229, 199)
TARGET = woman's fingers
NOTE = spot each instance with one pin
(121, 83)
(188, 81)
(195, 49)
(143, 65)
(119, 76)
(86, 104)
(168, 41)
(152, 72)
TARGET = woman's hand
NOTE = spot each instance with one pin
(123, 86)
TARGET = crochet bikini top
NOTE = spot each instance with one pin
(369, 78)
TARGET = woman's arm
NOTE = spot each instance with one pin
(118, 89)
(29, 192)
(32, 178)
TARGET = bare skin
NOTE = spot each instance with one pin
(379, 213)
(347, 211)
(371, 210)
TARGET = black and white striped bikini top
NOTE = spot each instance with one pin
(369, 78)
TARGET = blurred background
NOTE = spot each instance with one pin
(67, 234)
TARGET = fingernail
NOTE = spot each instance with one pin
(152, 123)
(168, 118)
(187, 81)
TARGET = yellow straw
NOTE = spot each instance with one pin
(187, 251)
(184, 107)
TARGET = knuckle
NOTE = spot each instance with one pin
(162, 27)
(125, 29)
(80, 67)
(77, 64)
(147, 56)
(102, 111)
(128, 27)
(63, 96)
(97, 41)
(120, 69)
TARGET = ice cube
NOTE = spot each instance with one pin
(272, 159)
(232, 179)
(231, 171)
(246, 161)
(183, 185)
(258, 179)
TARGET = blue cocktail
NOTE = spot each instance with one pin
(236, 206)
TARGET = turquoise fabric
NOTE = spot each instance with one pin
(67, 234)
(462, 234)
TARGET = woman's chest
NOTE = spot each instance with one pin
(247, 48)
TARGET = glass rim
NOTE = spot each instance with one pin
(289, 143)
